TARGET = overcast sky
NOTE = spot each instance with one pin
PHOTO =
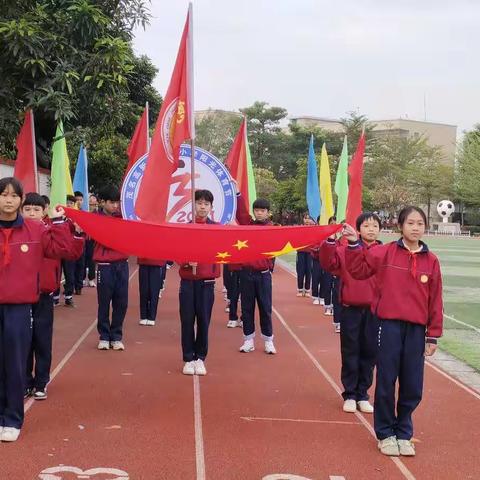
(325, 58)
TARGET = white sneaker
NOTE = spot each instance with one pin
(316, 301)
(248, 346)
(329, 311)
(91, 283)
(103, 345)
(160, 294)
(240, 323)
(200, 367)
(337, 328)
(300, 293)
(307, 294)
(270, 347)
(406, 448)
(118, 345)
(365, 406)
(389, 446)
(224, 290)
(322, 301)
(231, 324)
(143, 321)
(150, 323)
(350, 406)
(227, 309)
(9, 434)
(1, 431)
(189, 368)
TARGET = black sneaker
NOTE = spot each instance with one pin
(69, 302)
(40, 394)
(78, 291)
(28, 392)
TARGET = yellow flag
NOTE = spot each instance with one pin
(325, 188)
(68, 177)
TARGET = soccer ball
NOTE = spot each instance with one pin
(445, 209)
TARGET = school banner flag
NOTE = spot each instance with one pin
(355, 170)
(210, 244)
(239, 164)
(80, 179)
(140, 142)
(313, 193)
(175, 123)
(26, 163)
(341, 183)
(325, 188)
(60, 172)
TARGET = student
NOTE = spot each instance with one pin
(89, 268)
(256, 282)
(327, 283)
(359, 330)
(34, 208)
(409, 305)
(316, 276)
(150, 281)
(233, 272)
(112, 281)
(196, 297)
(304, 265)
(23, 245)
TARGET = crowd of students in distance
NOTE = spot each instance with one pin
(386, 301)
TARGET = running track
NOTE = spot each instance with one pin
(118, 415)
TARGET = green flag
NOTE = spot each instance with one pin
(341, 183)
(61, 181)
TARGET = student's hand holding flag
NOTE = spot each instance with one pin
(430, 349)
(58, 212)
(349, 233)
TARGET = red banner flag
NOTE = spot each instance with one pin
(198, 243)
(355, 170)
(26, 163)
(175, 123)
(139, 144)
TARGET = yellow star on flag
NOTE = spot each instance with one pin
(241, 244)
(223, 255)
(288, 248)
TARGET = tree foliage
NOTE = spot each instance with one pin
(467, 175)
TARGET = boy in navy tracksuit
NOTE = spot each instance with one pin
(150, 282)
(112, 281)
(196, 297)
(34, 208)
(89, 247)
(23, 245)
(328, 286)
(233, 272)
(358, 335)
(408, 302)
(256, 282)
(304, 265)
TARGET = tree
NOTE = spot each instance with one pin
(265, 182)
(467, 174)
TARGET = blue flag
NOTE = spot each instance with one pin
(80, 180)
(313, 192)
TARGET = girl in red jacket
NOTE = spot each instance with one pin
(409, 305)
(23, 245)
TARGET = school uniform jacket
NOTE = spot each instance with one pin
(22, 249)
(409, 284)
(244, 218)
(103, 254)
(203, 271)
(353, 292)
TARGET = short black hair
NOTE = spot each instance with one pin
(71, 198)
(78, 194)
(367, 216)
(261, 203)
(405, 212)
(333, 218)
(15, 184)
(47, 200)
(206, 195)
(34, 199)
(109, 192)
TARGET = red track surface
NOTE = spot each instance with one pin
(256, 415)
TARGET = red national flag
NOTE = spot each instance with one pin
(26, 163)
(236, 161)
(139, 143)
(175, 123)
(355, 170)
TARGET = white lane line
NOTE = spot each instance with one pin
(462, 323)
(199, 448)
(400, 465)
(336, 477)
(299, 420)
(434, 367)
(69, 354)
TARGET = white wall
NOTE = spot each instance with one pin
(44, 179)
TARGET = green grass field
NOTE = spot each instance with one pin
(460, 262)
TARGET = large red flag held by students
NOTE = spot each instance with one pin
(139, 144)
(175, 123)
(183, 242)
(26, 163)
(355, 170)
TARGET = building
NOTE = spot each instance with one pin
(7, 167)
(437, 134)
